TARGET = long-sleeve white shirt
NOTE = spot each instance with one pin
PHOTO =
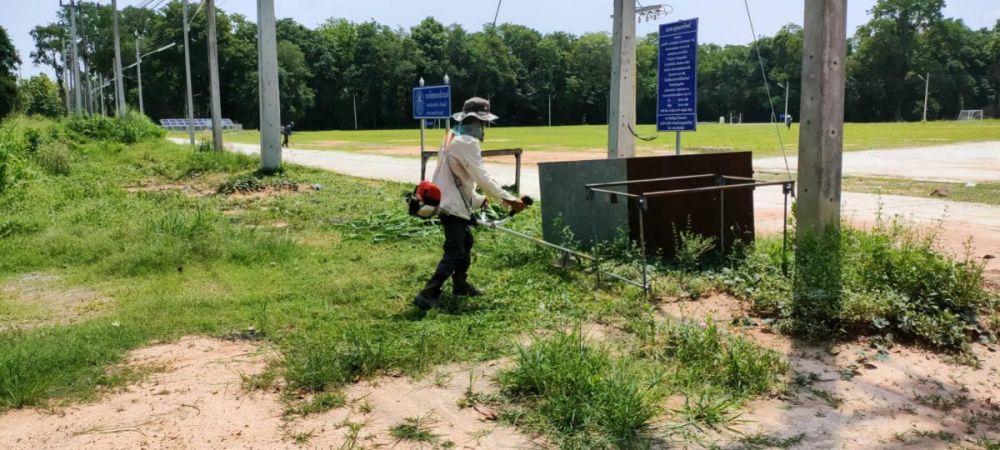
(459, 171)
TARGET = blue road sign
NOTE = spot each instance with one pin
(432, 102)
(677, 93)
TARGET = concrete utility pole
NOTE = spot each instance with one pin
(75, 63)
(550, 110)
(786, 85)
(65, 80)
(821, 139)
(119, 81)
(621, 110)
(187, 74)
(927, 88)
(100, 82)
(213, 73)
(119, 103)
(88, 97)
(270, 99)
(138, 72)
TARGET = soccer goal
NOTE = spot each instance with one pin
(970, 114)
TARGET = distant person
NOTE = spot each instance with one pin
(788, 121)
(286, 131)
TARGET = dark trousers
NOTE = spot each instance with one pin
(457, 248)
(284, 143)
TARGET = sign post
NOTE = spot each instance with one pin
(677, 85)
(431, 102)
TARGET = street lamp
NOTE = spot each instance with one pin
(927, 87)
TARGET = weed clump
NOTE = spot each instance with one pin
(583, 394)
(127, 129)
(891, 282)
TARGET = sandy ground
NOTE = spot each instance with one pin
(846, 396)
(195, 400)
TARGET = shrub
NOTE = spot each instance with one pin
(128, 129)
(887, 280)
(54, 158)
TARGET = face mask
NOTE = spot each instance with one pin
(475, 131)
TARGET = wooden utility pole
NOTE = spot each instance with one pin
(821, 137)
(119, 80)
(187, 75)
(213, 73)
(270, 99)
(621, 110)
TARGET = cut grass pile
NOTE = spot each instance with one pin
(759, 138)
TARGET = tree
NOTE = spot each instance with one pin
(8, 68)
(887, 47)
(293, 75)
(40, 95)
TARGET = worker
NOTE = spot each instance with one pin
(459, 171)
(286, 132)
(788, 121)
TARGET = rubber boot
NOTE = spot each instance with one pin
(429, 296)
(462, 288)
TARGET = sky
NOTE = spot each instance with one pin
(721, 21)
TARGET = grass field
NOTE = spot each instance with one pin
(760, 138)
(186, 243)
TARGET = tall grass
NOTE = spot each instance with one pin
(582, 394)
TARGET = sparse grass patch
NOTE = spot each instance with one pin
(417, 430)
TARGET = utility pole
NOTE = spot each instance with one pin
(621, 110)
(270, 99)
(119, 81)
(65, 80)
(100, 81)
(550, 109)
(213, 73)
(138, 72)
(786, 85)
(77, 100)
(119, 103)
(354, 103)
(187, 74)
(927, 88)
(89, 93)
(821, 139)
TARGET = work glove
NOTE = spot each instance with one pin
(516, 205)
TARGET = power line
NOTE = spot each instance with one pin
(767, 86)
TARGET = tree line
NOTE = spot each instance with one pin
(326, 69)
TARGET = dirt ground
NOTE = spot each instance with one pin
(195, 400)
(845, 396)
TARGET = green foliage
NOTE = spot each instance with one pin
(893, 282)
(582, 393)
(54, 158)
(390, 225)
(128, 129)
(690, 249)
(39, 95)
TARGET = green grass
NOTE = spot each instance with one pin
(982, 192)
(759, 138)
(327, 276)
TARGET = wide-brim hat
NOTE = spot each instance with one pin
(475, 107)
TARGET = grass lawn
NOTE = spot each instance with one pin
(184, 243)
(985, 192)
(760, 138)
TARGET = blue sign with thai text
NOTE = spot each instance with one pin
(432, 102)
(677, 93)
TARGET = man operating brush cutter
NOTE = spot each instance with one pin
(459, 171)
